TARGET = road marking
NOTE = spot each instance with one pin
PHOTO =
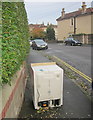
(75, 70)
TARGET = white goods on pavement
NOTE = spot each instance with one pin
(47, 85)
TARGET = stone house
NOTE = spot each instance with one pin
(77, 23)
(42, 26)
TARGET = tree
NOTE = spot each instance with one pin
(50, 33)
(38, 33)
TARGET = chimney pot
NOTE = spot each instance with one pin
(83, 7)
(83, 3)
(63, 12)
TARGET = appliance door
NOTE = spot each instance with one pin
(49, 85)
(56, 85)
(43, 86)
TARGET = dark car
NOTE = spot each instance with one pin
(72, 42)
(39, 44)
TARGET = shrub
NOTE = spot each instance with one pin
(15, 44)
(50, 33)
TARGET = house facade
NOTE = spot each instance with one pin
(75, 23)
(42, 26)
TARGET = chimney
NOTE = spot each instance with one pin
(62, 13)
(79, 9)
(83, 7)
(42, 23)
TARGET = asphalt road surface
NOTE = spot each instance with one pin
(75, 103)
(77, 56)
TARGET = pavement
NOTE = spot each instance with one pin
(75, 103)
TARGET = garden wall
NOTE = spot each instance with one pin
(84, 38)
(12, 96)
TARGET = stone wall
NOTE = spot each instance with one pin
(84, 38)
(12, 96)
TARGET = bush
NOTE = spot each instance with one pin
(15, 44)
(50, 33)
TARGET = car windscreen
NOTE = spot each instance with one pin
(76, 40)
(39, 41)
(70, 39)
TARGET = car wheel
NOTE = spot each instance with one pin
(36, 48)
(46, 48)
(72, 44)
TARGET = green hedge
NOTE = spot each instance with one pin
(15, 35)
(0, 39)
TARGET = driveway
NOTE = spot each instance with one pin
(75, 103)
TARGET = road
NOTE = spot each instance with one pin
(75, 103)
(77, 56)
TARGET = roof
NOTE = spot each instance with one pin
(41, 26)
(37, 25)
(76, 14)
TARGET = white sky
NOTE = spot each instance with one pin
(46, 0)
(39, 12)
(57, 0)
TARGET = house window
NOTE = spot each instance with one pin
(72, 22)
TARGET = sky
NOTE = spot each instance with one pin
(39, 12)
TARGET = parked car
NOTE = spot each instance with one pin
(30, 41)
(71, 41)
(38, 44)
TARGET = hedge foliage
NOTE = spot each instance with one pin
(0, 39)
(15, 35)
